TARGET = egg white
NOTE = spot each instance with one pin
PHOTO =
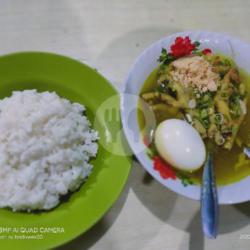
(180, 145)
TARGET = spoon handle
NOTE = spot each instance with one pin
(209, 200)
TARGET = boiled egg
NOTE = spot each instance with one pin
(180, 145)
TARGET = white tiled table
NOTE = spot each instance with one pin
(109, 35)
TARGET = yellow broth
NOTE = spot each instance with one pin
(225, 161)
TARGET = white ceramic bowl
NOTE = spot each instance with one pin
(143, 66)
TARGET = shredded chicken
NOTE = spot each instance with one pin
(195, 71)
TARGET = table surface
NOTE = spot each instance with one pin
(109, 35)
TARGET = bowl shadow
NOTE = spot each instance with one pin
(88, 239)
(169, 208)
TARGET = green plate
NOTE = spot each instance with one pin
(76, 82)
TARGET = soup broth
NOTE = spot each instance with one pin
(229, 165)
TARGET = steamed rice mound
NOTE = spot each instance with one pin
(45, 147)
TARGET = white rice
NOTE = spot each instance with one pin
(45, 146)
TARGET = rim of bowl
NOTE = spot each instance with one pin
(227, 194)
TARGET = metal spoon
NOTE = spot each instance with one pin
(246, 151)
(209, 200)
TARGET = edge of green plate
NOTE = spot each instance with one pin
(127, 159)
